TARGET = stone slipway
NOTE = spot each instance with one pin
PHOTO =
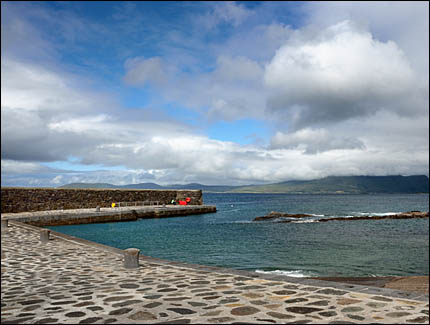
(71, 280)
(84, 216)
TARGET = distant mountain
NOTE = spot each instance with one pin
(153, 186)
(89, 185)
(327, 185)
(148, 186)
(346, 184)
(205, 188)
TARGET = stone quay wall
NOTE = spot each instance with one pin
(20, 199)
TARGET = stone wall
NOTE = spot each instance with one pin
(20, 199)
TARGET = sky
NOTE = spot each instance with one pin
(216, 93)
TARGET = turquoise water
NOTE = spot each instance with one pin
(229, 238)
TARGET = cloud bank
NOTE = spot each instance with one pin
(340, 95)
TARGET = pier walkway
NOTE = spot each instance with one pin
(85, 216)
(70, 280)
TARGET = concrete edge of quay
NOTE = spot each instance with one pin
(117, 214)
(408, 295)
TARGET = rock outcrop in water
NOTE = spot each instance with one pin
(404, 215)
(277, 215)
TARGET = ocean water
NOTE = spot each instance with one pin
(229, 238)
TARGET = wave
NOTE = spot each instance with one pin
(305, 221)
(371, 214)
(295, 274)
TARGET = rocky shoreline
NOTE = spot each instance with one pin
(280, 216)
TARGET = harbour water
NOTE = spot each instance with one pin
(229, 238)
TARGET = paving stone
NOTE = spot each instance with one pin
(167, 290)
(357, 317)
(328, 313)
(212, 313)
(196, 304)
(244, 311)
(284, 292)
(318, 303)
(220, 320)
(258, 302)
(398, 314)
(142, 315)
(83, 304)
(295, 300)
(90, 320)
(329, 291)
(120, 311)
(75, 314)
(67, 302)
(129, 286)
(82, 283)
(126, 303)
(46, 320)
(302, 310)
(153, 297)
(280, 315)
(182, 311)
(347, 301)
(376, 304)
(252, 287)
(31, 302)
(177, 321)
(30, 308)
(420, 319)
(228, 300)
(352, 309)
(380, 298)
(119, 298)
(152, 305)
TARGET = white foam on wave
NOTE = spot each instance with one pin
(317, 215)
(304, 221)
(375, 213)
(295, 274)
(384, 214)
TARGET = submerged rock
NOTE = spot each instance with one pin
(276, 215)
(404, 215)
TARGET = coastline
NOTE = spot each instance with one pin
(404, 283)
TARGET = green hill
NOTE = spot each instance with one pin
(346, 184)
(89, 185)
(327, 185)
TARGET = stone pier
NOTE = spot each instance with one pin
(99, 215)
(71, 281)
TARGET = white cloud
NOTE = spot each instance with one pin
(232, 90)
(404, 22)
(343, 73)
(142, 71)
(346, 98)
(312, 141)
(57, 179)
(225, 12)
(237, 69)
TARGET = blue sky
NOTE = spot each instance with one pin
(212, 92)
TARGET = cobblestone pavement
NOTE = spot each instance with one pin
(71, 280)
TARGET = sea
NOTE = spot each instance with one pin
(304, 248)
